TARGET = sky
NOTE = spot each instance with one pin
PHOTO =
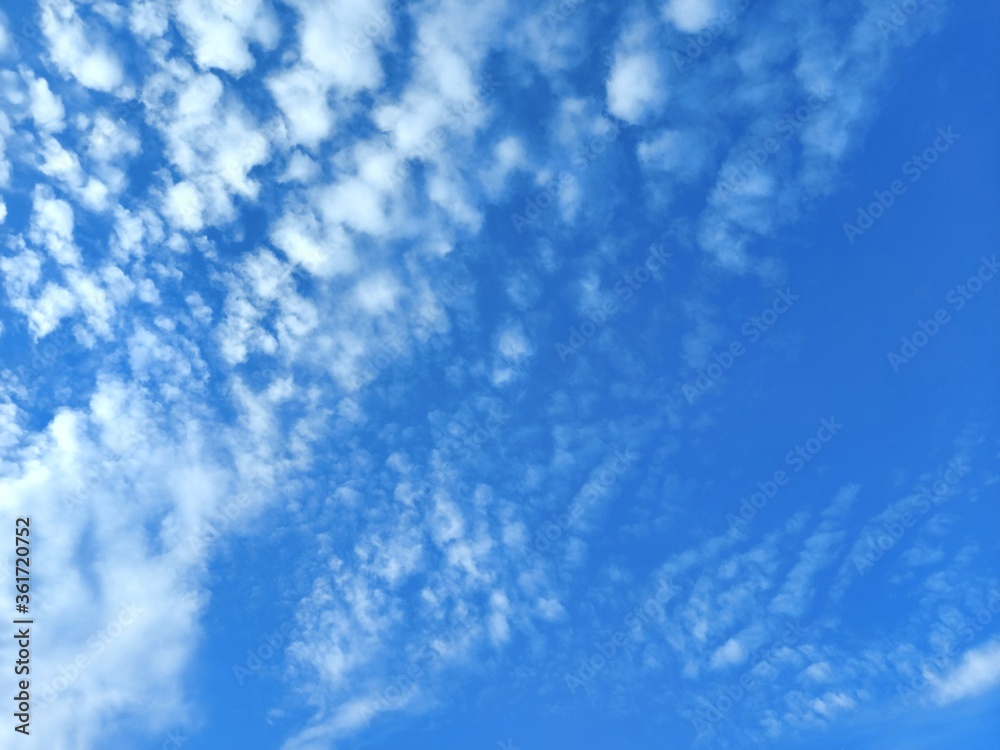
(500, 375)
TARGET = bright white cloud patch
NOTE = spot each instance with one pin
(46, 108)
(977, 672)
(77, 49)
(183, 207)
(635, 87)
(690, 16)
(220, 32)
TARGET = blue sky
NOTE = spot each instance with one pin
(502, 375)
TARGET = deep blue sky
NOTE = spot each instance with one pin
(285, 371)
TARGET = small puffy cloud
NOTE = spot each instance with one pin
(513, 344)
(830, 703)
(46, 108)
(148, 19)
(321, 251)
(220, 33)
(300, 168)
(77, 50)
(512, 348)
(731, 652)
(47, 311)
(690, 16)
(681, 153)
(64, 165)
(498, 624)
(183, 207)
(109, 140)
(300, 94)
(818, 672)
(212, 141)
(978, 671)
(377, 294)
(634, 85)
(339, 39)
(52, 227)
(508, 155)
(6, 44)
(355, 203)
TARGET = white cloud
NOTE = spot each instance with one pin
(447, 190)
(513, 344)
(978, 672)
(499, 626)
(48, 309)
(110, 140)
(690, 16)
(322, 251)
(378, 293)
(46, 108)
(634, 87)
(355, 203)
(183, 207)
(220, 32)
(148, 19)
(52, 226)
(830, 703)
(300, 168)
(340, 38)
(211, 140)
(5, 132)
(6, 43)
(367, 232)
(818, 672)
(731, 652)
(78, 50)
(508, 156)
(91, 477)
(301, 94)
(64, 165)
